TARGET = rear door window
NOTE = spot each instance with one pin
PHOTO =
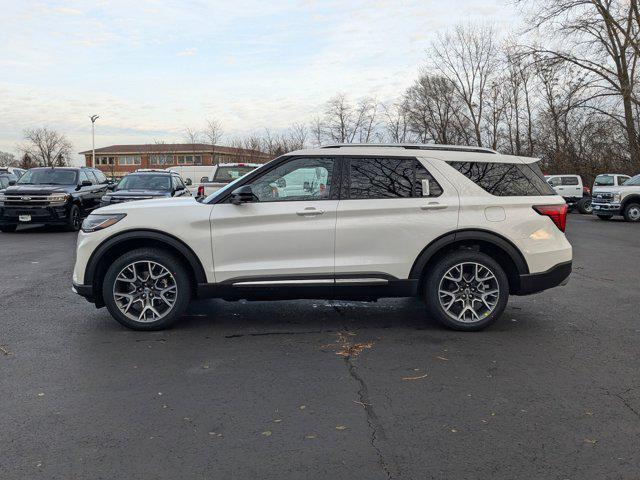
(506, 179)
(570, 181)
(377, 178)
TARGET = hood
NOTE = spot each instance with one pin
(139, 193)
(38, 189)
(142, 204)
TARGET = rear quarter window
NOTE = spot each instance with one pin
(506, 179)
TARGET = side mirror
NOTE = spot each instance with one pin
(281, 183)
(111, 186)
(242, 194)
(12, 183)
(86, 183)
(188, 182)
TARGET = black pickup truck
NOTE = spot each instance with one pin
(52, 196)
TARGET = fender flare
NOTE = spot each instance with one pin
(468, 235)
(170, 240)
(634, 197)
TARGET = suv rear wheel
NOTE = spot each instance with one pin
(466, 290)
(632, 212)
(147, 289)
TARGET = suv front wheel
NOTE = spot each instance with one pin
(466, 290)
(147, 289)
(632, 212)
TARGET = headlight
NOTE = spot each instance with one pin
(2, 198)
(106, 198)
(616, 197)
(96, 222)
(58, 197)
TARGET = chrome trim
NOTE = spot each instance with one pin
(284, 282)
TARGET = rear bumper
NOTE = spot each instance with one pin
(537, 282)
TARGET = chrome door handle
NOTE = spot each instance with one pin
(309, 211)
(434, 206)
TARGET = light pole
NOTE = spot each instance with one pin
(93, 139)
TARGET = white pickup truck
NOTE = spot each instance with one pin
(204, 180)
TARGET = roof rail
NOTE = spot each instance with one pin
(416, 146)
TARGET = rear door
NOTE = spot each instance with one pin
(390, 209)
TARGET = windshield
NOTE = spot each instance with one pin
(145, 182)
(49, 176)
(632, 182)
(604, 181)
(228, 174)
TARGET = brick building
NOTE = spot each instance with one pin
(118, 160)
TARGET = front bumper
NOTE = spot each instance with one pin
(606, 208)
(537, 282)
(49, 215)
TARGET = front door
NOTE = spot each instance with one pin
(287, 233)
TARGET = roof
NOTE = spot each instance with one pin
(172, 148)
(415, 146)
(447, 153)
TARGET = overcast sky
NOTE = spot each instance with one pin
(150, 68)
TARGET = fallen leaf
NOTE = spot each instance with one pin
(310, 437)
(4, 350)
(205, 366)
(41, 394)
(415, 378)
(453, 430)
(341, 427)
(267, 433)
(277, 420)
(588, 413)
(302, 407)
(591, 441)
(442, 358)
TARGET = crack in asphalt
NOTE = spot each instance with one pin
(624, 401)
(263, 334)
(377, 430)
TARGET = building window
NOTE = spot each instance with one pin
(105, 160)
(189, 159)
(161, 159)
(129, 160)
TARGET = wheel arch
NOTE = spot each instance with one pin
(495, 245)
(628, 199)
(123, 242)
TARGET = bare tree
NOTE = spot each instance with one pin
(599, 37)
(7, 159)
(468, 57)
(193, 137)
(45, 147)
(396, 124)
(213, 133)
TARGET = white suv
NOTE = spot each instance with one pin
(461, 227)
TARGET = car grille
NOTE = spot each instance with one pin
(26, 200)
(603, 198)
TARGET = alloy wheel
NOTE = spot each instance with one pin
(469, 292)
(145, 291)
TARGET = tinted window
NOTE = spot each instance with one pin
(84, 177)
(299, 179)
(388, 178)
(100, 176)
(506, 179)
(4, 182)
(91, 176)
(228, 174)
(145, 182)
(604, 181)
(570, 181)
(48, 176)
(622, 179)
(633, 181)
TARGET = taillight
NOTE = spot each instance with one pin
(200, 192)
(557, 213)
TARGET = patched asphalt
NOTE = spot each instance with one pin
(317, 389)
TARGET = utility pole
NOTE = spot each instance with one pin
(93, 139)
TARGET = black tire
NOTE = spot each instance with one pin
(584, 205)
(8, 228)
(168, 261)
(631, 212)
(605, 217)
(74, 221)
(436, 274)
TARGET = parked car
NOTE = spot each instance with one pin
(619, 200)
(206, 180)
(463, 228)
(571, 188)
(145, 184)
(52, 196)
(15, 171)
(6, 180)
(606, 180)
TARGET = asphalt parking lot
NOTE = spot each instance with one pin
(316, 389)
